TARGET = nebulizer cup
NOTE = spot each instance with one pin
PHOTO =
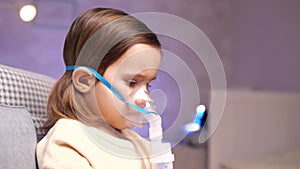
(161, 156)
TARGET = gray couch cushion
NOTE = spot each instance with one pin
(24, 88)
(18, 138)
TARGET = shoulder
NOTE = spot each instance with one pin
(64, 129)
(64, 126)
(64, 132)
(59, 148)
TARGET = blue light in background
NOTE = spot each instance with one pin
(197, 123)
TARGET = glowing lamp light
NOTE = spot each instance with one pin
(27, 13)
(196, 124)
(191, 127)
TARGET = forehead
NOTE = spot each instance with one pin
(137, 59)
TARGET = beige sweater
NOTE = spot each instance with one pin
(71, 145)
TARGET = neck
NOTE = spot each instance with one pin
(112, 131)
(102, 125)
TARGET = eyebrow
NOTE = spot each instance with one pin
(141, 77)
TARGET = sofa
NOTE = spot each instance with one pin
(23, 98)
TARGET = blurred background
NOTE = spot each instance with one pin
(258, 43)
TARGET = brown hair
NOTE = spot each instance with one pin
(120, 37)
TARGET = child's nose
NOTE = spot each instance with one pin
(140, 103)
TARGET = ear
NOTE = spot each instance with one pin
(83, 80)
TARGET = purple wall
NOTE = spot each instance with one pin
(263, 53)
(266, 44)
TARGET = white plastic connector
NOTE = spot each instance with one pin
(155, 129)
(161, 154)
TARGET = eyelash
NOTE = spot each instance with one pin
(132, 83)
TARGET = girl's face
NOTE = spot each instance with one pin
(130, 75)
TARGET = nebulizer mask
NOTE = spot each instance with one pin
(161, 156)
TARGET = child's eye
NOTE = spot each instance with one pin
(132, 83)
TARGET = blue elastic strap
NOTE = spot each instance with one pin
(108, 85)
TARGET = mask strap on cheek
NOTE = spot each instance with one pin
(108, 85)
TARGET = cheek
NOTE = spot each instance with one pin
(110, 107)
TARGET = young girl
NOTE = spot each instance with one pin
(110, 58)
